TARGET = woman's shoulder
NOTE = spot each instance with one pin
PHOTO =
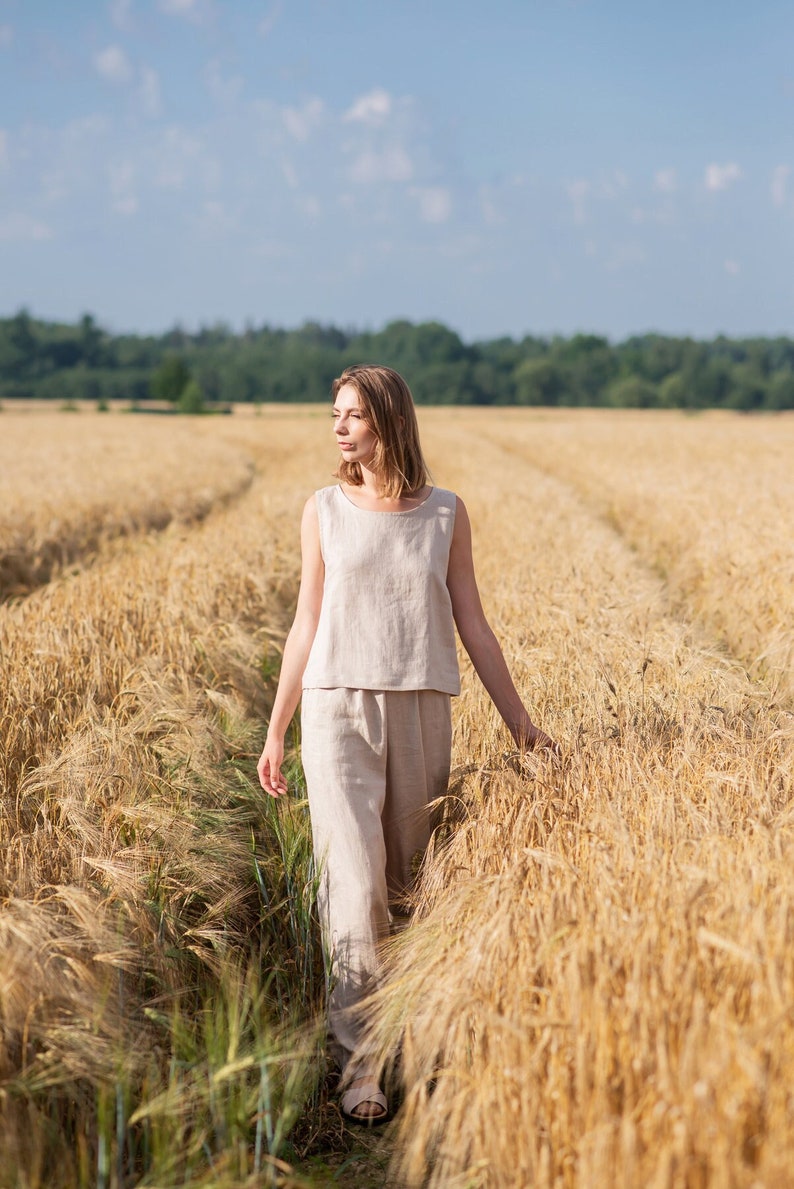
(323, 494)
(444, 498)
(317, 502)
(323, 505)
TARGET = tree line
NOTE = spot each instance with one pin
(216, 366)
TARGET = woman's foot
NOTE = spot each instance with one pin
(364, 1102)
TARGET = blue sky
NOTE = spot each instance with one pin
(521, 166)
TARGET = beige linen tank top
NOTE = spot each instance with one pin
(386, 616)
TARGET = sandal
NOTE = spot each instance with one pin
(368, 1090)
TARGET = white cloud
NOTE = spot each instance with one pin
(392, 165)
(435, 203)
(198, 11)
(224, 89)
(665, 180)
(578, 192)
(57, 163)
(732, 267)
(290, 174)
(113, 65)
(180, 7)
(720, 177)
(612, 184)
(662, 215)
(149, 92)
(178, 152)
(301, 122)
(120, 14)
(127, 204)
(19, 228)
(270, 19)
(122, 182)
(372, 108)
(176, 157)
(6, 35)
(780, 176)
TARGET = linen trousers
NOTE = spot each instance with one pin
(373, 760)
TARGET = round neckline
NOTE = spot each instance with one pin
(382, 511)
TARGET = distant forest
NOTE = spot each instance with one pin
(216, 366)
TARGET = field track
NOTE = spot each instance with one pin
(597, 989)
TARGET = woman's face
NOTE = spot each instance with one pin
(354, 437)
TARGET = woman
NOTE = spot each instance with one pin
(386, 568)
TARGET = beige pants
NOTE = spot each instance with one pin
(373, 760)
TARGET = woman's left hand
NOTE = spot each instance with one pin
(528, 737)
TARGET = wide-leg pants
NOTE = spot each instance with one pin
(373, 760)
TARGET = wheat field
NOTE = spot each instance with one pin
(597, 987)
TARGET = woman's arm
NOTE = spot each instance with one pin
(296, 653)
(480, 641)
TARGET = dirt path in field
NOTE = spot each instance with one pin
(26, 566)
(675, 599)
(75, 491)
(713, 541)
(363, 1164)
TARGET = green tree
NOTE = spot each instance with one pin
(23, 333)
(539, 382)
(90, 341)
(748, 389)
(191, 399)
(590, 365)
(673, 392)
(780, 394)
(632, 392)
(170, 379)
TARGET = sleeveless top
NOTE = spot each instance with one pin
(386, 616)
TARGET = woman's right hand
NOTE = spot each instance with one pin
(269, 768)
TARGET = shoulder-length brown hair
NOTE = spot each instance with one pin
(388, 409)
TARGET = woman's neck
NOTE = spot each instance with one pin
(368, 494)
(371, 484)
